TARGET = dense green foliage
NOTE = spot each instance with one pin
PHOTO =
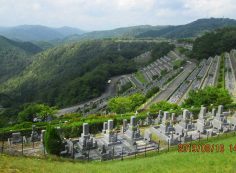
(165, 106)
(71, 124)
(214, 43)
(152, 91)
(178, 63)
(34, 110)
(126, 33)
(14, 57)
(73, 73)
(184, 51)
(125, 87)
(190, 30)
(207, 96)
(161, 49)
(125, 104)
(52, 140)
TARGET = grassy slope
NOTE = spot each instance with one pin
(140, 77)
(170, 162)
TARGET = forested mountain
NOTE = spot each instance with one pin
(214, 43)
(14, 57)
(73, 73)
(125, 32)
(37, 32)
(68, 34)
(193, 29)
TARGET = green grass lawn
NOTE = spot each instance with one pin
(140, 77)
(165, 162)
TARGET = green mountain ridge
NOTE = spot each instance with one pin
(68, 34)
(37, 32)
(14, 57)
(72, 73)
(124, 32)
(192, 29)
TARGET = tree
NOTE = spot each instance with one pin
(125, 104)
(208, 96)
(152, 91)
(214, 43)
(165, 106)
(52, 140)
(30, 111)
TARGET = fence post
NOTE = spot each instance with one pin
(122, 153)
(88, 153)
(22, 145)
(73, 152)
(207, 136)
(44, 148)
(145, 148)
(159, 142)
(2, 142)
(168, 145)
(199, 136)
(33, 141)
(113, 151)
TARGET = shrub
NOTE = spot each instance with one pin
(52, 140)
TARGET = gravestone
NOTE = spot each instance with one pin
(34, 135)
(147, 136)
(133, 132)
(124, 125)
(185, 124)
(110, 136)
(86, 141)
(220, 120)
(202, 122)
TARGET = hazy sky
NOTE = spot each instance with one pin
(107, 14)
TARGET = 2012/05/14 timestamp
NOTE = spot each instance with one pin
(206, 148)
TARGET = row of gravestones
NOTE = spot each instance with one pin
(19, 138)
(130, 134)
(207, 124)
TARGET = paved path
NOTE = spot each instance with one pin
(110, 92)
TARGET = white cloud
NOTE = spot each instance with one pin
(215, 8)
(104, 14)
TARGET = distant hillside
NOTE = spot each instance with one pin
(214, 43)
(37, 32)
(14, 57)
(72, 73)
(126, 32)
(68, 34)
(66, 31)
(193, 29)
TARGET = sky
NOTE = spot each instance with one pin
(108, 14)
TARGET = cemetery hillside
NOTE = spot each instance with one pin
(145, 98)
(172, 161)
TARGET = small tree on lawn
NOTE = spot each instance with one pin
(53, 141)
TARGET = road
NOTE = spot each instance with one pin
(110, 92)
